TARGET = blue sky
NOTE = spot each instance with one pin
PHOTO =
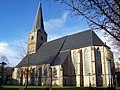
(17, 18)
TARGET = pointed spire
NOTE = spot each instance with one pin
(38, 23)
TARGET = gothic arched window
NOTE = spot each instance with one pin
(37, 72)
(87, 61)
(75, 56)
(54, 72)
(18, 73)
(99, 63)
(33, 72)
(45, 71)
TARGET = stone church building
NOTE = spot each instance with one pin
(80, 59)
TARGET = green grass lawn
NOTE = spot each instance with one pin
(12, 87)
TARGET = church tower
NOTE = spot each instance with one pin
(38, 35)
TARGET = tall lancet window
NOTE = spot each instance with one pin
(87, 61)
(99, 63)
(75, 56)
(45, 71)
(18, 73)
(54, 72)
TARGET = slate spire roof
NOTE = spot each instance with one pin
(38, 23)
(54, 52)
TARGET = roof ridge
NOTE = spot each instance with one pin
(68, 35)
(80, 32)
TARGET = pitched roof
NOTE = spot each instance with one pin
(45, 54)
(54, 52)
(61, 57)
(82, 39)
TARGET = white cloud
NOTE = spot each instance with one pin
(52, 24)
(10, 53)
(4, 49)
(57, 28)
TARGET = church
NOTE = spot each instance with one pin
(80, 59)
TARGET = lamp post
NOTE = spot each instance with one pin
(2, 68)
(1, 72)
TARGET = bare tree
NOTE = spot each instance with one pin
(21, 49)
(101, 14)
(4, 59)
